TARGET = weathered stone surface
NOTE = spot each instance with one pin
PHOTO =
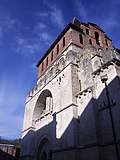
(67, 113)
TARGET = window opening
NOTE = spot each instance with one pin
(43, 105)
(97, 38)
(42, 66)
(51, 55)
(81, 38)
(80, 84)
(47, 61)
(106, 42)
(63, 41)
(57, 48)
(87, 31)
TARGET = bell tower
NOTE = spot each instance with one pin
(64, 112)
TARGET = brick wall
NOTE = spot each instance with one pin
(91, 34)
(68, 38)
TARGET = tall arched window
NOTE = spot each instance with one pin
(42, 66)
(87, 31)
(57, 48)
(106, 42)
(63, 41)
(81, 38)
(51, 55)
(43, 105)
(97, 38)
(44, 150)
(47, 61)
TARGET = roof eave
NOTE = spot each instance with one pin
(70, 25)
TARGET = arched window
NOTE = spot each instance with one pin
(47, 61)
(106, 42)
(87, 31)
(51, 55)
(43, 105)
(81, 38)
(44, 150)
(63, 41)
(57, 48)
(97, 38)
(42, 66)
(80, 84)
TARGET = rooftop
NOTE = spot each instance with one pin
(76, 25)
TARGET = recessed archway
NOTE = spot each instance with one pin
(44, 150)
(43, 104)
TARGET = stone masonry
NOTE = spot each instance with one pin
(73, 112)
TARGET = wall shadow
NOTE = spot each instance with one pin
(89, 135)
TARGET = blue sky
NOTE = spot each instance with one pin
(27, 29)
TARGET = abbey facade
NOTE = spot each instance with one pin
(73, 112)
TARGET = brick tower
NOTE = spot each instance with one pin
(73, 112)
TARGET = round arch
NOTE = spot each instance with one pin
(43, 105)
(44, 151)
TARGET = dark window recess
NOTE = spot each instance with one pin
(51, 55)
(57, 48)
(106, 42)
(97, 38)
(81, 38)
(80, 84)
(63, 41)
(42, 66)
(90, 41)
(87, 31)
(47, 61)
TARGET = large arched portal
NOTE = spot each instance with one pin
(44, 150)
(43, 105)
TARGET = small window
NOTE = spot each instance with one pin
(97, 38)
(42, 66)
(51, 55)
(63, 41)
(80, 84)
(81, 38)
(47, 61)
(57, 48)
(106, 42)
(87, 31)
(90, 41)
